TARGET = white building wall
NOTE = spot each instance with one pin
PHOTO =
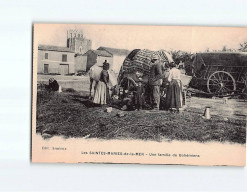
(117, 63)
(80, 63)
(54, 60)
(101, 60)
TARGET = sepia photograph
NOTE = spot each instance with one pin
(123, 96)
(139, 94)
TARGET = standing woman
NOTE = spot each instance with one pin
(174, 91)
(102, 96)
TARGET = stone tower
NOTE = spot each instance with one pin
(77, 43)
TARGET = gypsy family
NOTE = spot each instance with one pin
(173, 96)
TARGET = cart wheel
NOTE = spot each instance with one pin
(244, 79)
(194, 82)
(127, 83)
(221, 83)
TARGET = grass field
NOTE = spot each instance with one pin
(69, 114)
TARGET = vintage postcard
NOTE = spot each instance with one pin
(139, 94)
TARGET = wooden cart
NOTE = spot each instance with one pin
(220, 73)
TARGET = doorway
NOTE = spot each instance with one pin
(64, 69)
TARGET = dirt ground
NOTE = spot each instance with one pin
(233, 108)
(78, 83)
(72, 114)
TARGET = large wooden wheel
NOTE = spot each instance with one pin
(243, 79)
(127, 83)
(221, 83)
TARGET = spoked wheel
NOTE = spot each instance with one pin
(127, 83)
(243, 79)
(221, 83)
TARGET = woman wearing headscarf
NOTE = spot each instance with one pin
(53, 85)
(174, 91)
(102, 96)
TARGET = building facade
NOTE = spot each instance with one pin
(77, 56)
(77, 43)
(62, 60)
(96, 57)
(118, 57)
(55, 60)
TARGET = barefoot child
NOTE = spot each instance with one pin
(139, 93)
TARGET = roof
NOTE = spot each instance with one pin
(54, 48)
(98, 53)
(115, 51)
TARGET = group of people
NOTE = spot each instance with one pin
(173, 94)
(174, 99)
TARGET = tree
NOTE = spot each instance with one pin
(243, 46)
(224, 48)
(185, 57)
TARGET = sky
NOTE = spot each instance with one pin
(185, 38)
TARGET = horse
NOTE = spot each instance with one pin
(94, 76)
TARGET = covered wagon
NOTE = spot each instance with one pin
(139, 62)
(219, 73)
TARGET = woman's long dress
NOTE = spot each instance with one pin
(174, 91)
(101, 95)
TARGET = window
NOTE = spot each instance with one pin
(80, 49)
(64, 58)
(46, 68)
(46, 55)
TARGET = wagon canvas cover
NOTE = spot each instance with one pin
(228, 59)
(68, 127)
(140, 60)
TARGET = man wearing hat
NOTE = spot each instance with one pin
(155, 81)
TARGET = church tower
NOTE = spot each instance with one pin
(77, 43)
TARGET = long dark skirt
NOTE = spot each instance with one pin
(174, 95)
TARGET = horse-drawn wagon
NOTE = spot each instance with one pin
(139, 62)
(220, 73)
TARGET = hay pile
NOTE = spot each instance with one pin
(72, 115)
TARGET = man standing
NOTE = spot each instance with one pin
(155, 81)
